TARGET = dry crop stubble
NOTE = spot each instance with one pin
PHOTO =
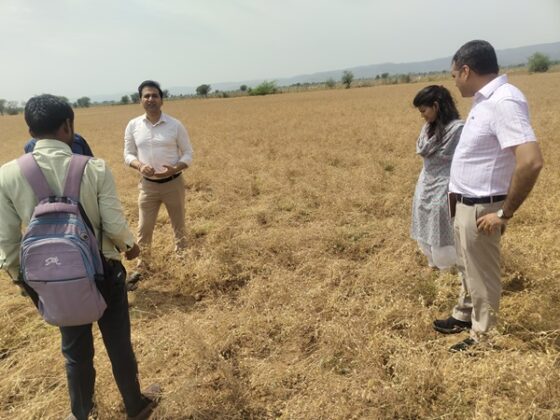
(301, 295)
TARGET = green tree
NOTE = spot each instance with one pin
(83, 102)
(165, 94)
(265, 88)
(243, 88)
(538, 63)
(2, 106)
(330, 83)
(347, 78)
(203, 90)
(135, 98)
(125, 100)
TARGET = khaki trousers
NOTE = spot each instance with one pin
(152, 195)
(478, 262)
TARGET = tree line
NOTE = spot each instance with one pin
(537, 63)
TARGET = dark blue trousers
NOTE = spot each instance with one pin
(77, 348)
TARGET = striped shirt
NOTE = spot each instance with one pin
(484, 160)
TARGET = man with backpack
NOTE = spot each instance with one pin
(51, 120)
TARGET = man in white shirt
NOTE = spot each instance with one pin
(158, 147)
(495, 166)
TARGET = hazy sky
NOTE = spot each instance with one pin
(92, 47)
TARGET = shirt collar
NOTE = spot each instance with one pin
(489, 88)
(52, 144)
(162, 119)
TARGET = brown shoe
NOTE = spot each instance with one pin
(152, 394)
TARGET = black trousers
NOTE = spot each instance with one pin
(77, 348)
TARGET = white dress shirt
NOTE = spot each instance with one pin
(484, 160)
(164, 143)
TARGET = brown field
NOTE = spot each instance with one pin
(302, 296)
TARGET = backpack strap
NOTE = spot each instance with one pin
(74, 176)
(31, 170)
(72, 189)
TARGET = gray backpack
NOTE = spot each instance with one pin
(59, 256)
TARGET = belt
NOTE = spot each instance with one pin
(164, 180)
(471, 201)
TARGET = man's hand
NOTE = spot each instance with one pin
(132, 252)
(146, 169)
(489, 223)
(169, 170)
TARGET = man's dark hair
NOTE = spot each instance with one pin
(479, 55)
(152, 84)
(447, 111)
(44, 114)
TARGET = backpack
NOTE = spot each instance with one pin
(59, 255)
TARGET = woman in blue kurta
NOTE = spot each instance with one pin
(431, 224)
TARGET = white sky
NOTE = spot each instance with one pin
(92, 47)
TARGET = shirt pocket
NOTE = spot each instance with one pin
(480, 136)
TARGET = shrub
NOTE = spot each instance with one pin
(538, 63)
(404, 78)
(265, 88)
(330, 83)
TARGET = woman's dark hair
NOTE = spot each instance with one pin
(152, 84)
(446, 112)
(44, 114)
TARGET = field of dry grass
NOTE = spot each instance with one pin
(302, 296)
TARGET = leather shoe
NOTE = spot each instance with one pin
(451, 325)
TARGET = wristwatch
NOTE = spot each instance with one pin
(500, 213)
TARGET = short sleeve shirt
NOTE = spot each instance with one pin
(484, 160)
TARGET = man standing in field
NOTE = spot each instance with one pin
(51, 121)
(495, 166)
(158, 147)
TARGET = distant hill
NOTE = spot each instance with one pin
(507, 57)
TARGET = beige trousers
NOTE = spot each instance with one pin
(152, 195)
(478, 262)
